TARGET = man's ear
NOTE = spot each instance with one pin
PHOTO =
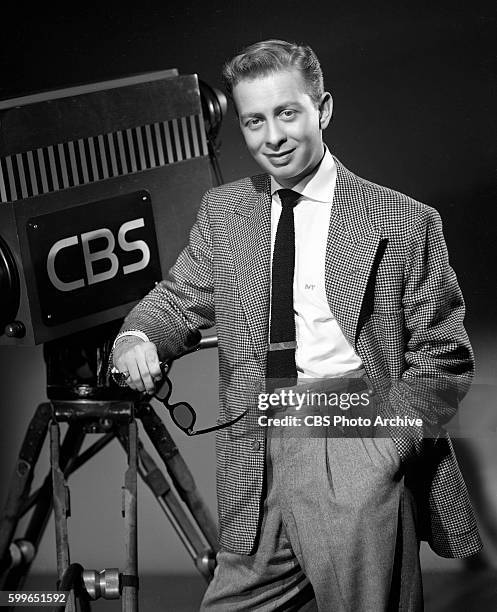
(325, 110)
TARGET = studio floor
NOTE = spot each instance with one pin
(472, 591)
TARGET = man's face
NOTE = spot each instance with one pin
(281, 125)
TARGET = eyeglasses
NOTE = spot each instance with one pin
(182, 414)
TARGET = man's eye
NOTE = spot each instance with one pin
(253, 123)
(287, 114)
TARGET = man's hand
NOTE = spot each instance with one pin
(140, 359)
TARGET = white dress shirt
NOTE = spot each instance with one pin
(322, 349)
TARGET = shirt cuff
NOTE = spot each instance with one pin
(136, 333)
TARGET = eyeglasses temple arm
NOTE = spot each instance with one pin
(217, 427)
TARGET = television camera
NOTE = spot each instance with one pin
(99, 185)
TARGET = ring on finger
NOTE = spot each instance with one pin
(120, 377)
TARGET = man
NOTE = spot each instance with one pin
(329, 519)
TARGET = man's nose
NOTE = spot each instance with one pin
(275, 136)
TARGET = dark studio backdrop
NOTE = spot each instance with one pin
(415, 93)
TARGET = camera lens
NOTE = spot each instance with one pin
(9, 286)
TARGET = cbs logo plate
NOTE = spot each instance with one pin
(95, 256)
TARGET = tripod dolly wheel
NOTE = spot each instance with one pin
(106, 584)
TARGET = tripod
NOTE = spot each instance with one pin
(81, 396)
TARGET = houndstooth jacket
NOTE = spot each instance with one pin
(396, 299)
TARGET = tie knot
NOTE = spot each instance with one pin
(288, 198)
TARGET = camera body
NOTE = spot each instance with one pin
(99, 186)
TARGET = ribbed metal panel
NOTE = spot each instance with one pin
(63, 165)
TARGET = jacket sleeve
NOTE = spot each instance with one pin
(439, 363)
(172, 313)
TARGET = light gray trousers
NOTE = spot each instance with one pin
(337, 532)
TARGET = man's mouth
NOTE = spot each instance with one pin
(280, 156)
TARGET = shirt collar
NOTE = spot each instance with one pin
(317, 186)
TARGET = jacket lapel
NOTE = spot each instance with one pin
(249, 228)
(352, 245)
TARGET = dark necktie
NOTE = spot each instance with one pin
(281, 369)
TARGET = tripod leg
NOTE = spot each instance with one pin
(62, 510)
(43, 508)
(180, 520)
(179, 472)
(130, 574)
(21, 482)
